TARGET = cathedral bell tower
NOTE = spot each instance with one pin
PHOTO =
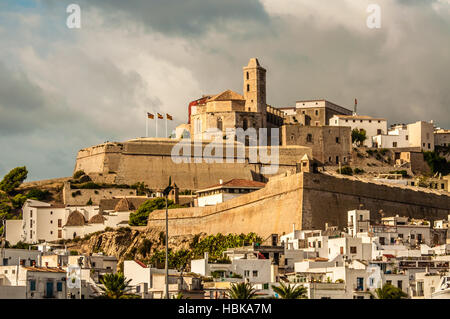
(255, 88)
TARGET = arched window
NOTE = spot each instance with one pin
(245, 124)
(219, 124)
(248, 87)
(247, 76)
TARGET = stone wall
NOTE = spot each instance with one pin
(149, 160)
(307, 200)
(94, 194)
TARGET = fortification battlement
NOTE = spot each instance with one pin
(307, 200)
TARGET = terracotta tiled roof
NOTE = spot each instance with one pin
(236, 183)
(140, 263)
(226, 96)
(75, 219)
(359, 117)
(45, 269)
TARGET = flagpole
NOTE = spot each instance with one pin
(146, 125)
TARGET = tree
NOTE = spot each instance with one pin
(389, 291)
(140, 217)
(116, 286)
(13, 179)
(89, 202)
(38, 194)
(358, 136)
(243, 290)
(290, 292)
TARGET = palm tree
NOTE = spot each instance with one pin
(290, 292)
(389, 291)
(116, 287)
(243, 290)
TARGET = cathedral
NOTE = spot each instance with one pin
(231, 110)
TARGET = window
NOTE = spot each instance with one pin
(392, 240)
(319, 244)
(219, 124)
(407, 137)
(248, 87)
(247, 76)
(341, 250)
(399, 284)
(245, 124)
(59, 233)
(413, 236)
(59, 286)
(394, 144)
(337, 159)
(309, 138)
(370, 121)
(316, 112)
(32, 285)
(59, 222)
(31, 214)
(266, 286)
(255, 273)
(382, 240)
(352, 250)
(246, 273)
(51, 222)
(337, 140)
(5, 261)
(378, 131)
(429, 145)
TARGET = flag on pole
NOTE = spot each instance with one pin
(150, 115)
(169, 117)
(160, 116)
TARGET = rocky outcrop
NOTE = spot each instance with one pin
(127, 243)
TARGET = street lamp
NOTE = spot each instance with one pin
(166, 193)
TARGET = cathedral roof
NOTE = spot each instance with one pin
(75, 219)
(227, 95)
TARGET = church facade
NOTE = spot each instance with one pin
(230, 110)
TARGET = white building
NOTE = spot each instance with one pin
(35, 282)
(222, 192)
(373, 126)
(51, 222)
(417, 135)
(15, 257)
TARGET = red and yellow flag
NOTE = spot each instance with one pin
(150, 115)
(169, 117)
(160, 116)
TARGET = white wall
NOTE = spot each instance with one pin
(371, 126)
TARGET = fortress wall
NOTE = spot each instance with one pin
(149, 160)
(94, 194)
(327, 199)
(306, 199)
(270, 210)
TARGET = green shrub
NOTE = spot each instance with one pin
(74, 253)
(78, 174)
(140, 217)
(38, 194)
(346, 170)
(358, 171)
(13, 179)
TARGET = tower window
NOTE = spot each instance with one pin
(219, 124)
(247, 76)
(245, 124)
(309, 138)
(248, 87)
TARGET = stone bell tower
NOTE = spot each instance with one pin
(255, 88)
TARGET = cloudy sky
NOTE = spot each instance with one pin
(64, 89)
